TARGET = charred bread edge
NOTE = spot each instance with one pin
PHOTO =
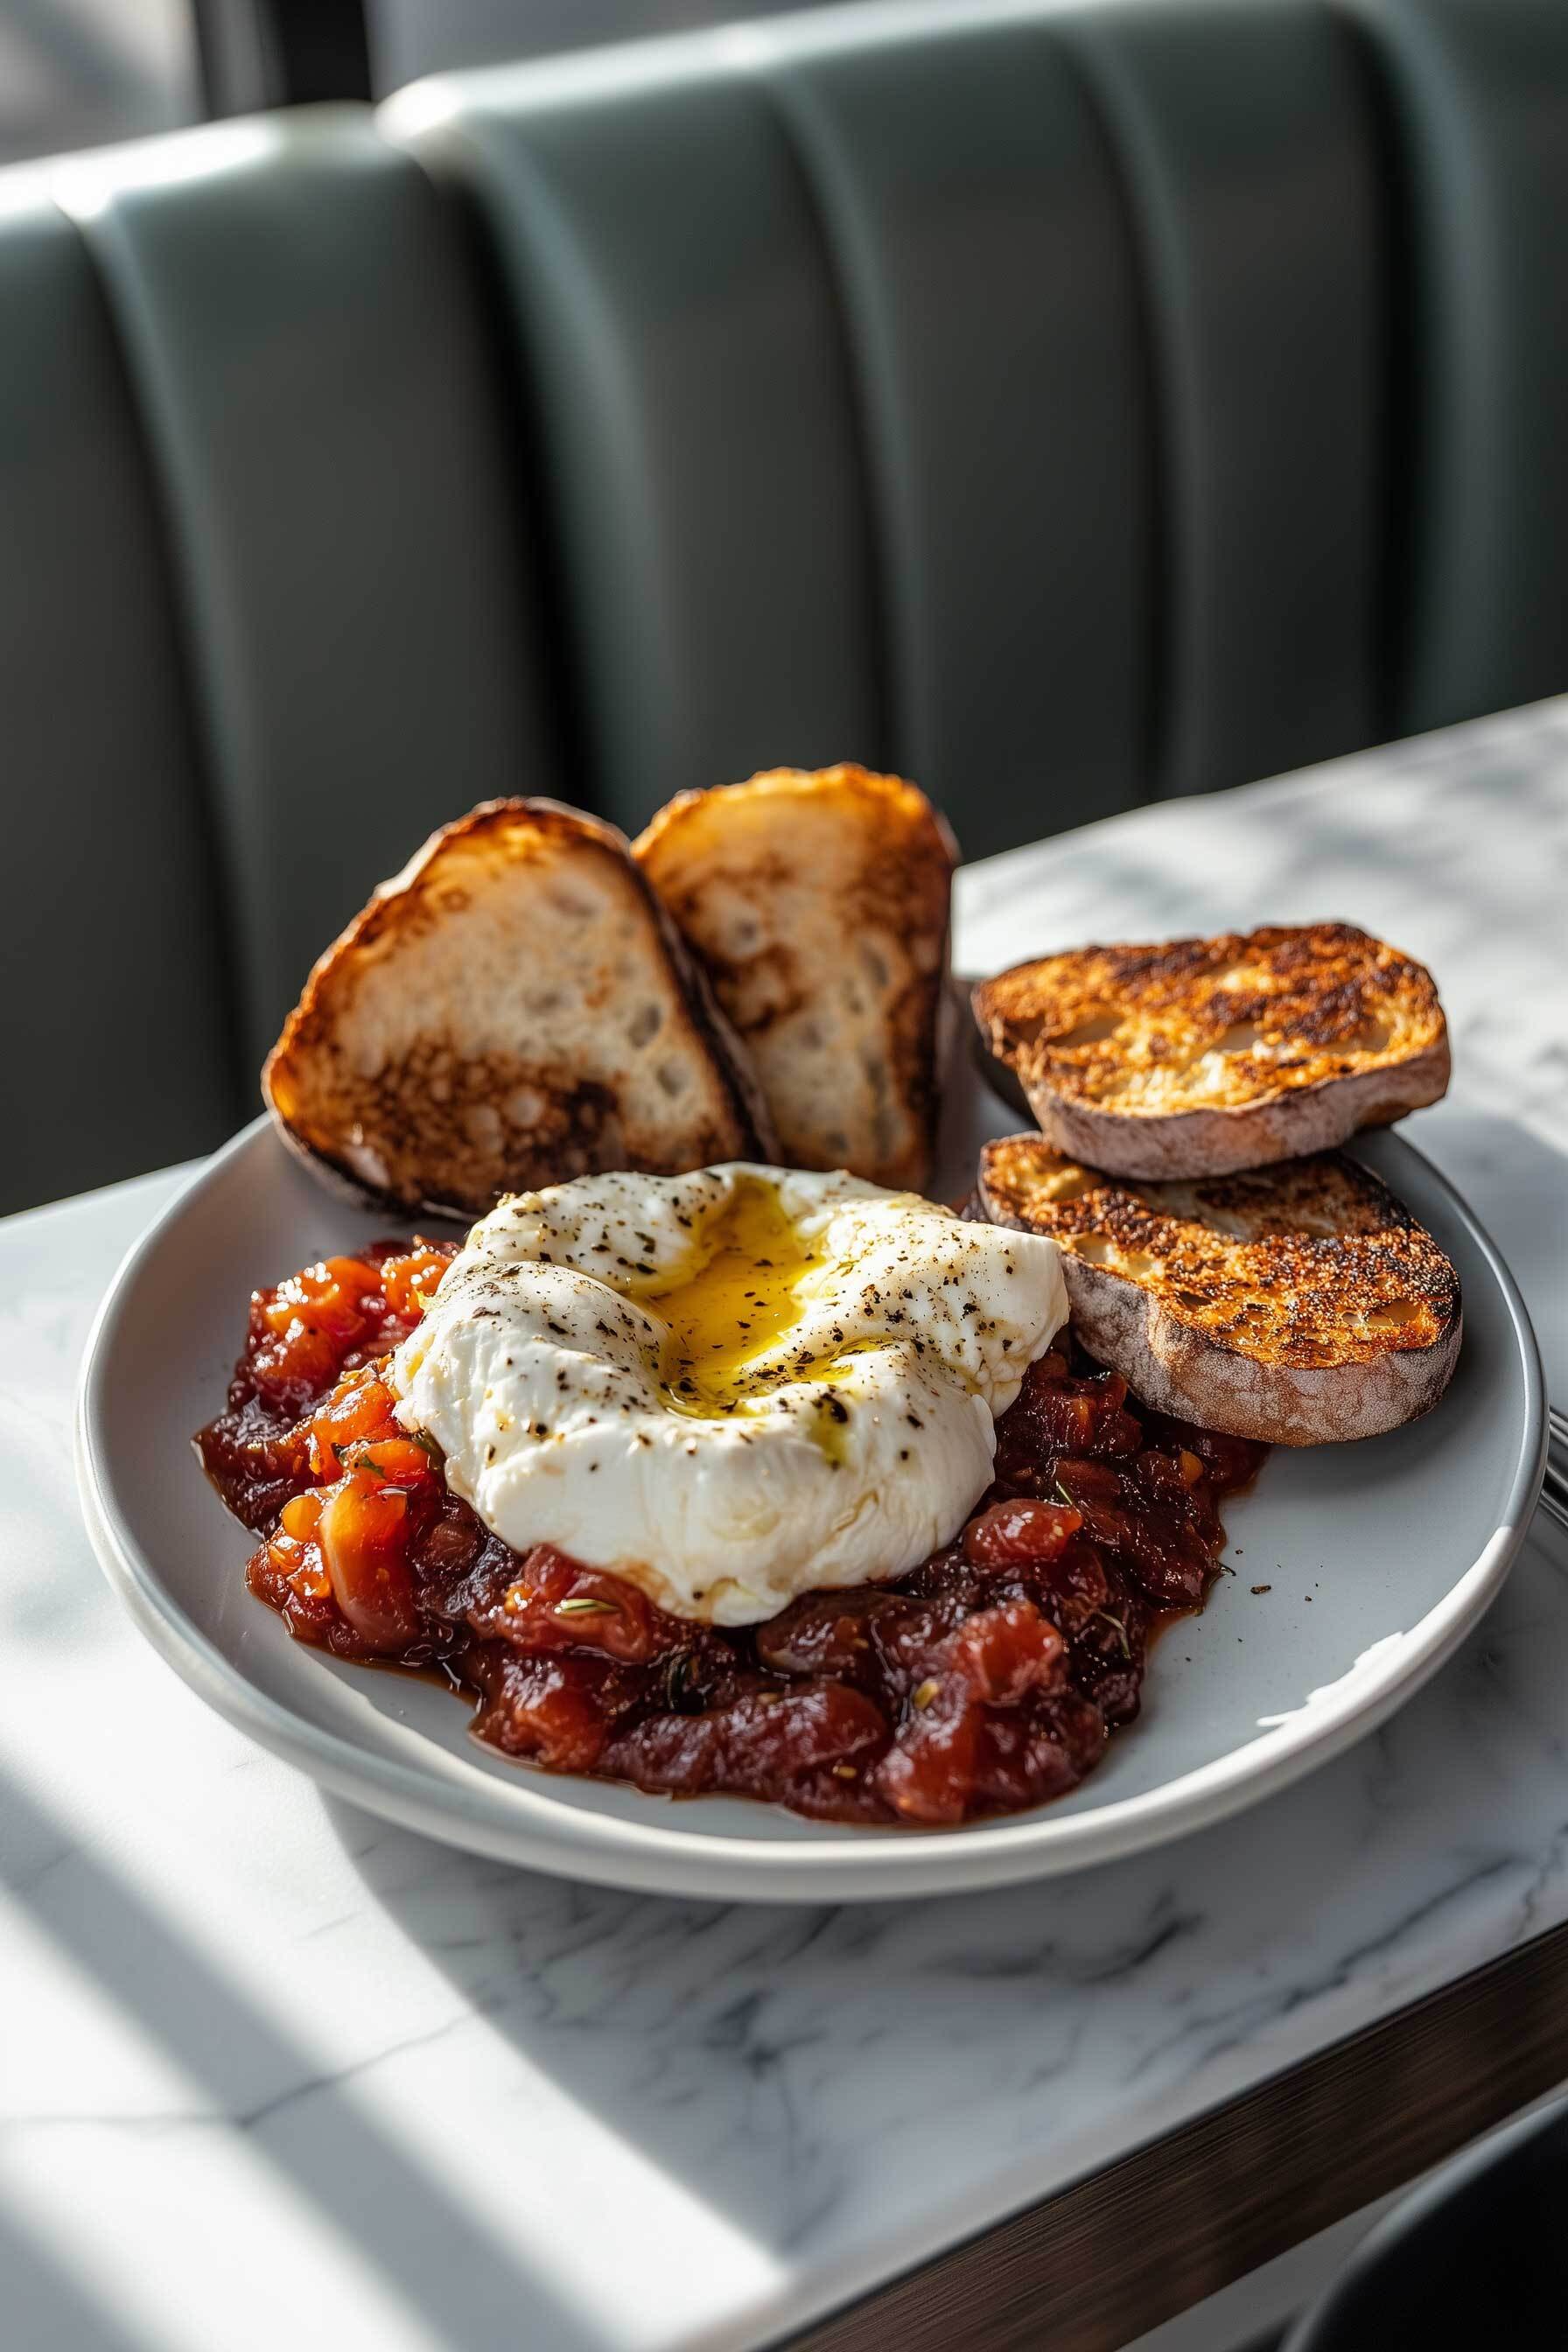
(712, 1027)
(1225, 1142)
(1178, 1369)
(1286, 1125)
(681, 804)
(928, 1106)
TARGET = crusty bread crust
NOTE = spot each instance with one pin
(1300, 1305)
(513, 1009)
(818, 903)
(1206, 1056)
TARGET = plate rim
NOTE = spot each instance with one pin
(874, 1865)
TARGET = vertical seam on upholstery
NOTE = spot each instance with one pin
(1400, 426)
(1424, 99)
(891, 716)
(200, 668)
(521, 266)
(504, 346)
(1159, 628)
(182, 624)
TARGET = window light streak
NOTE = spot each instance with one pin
(361, 2069)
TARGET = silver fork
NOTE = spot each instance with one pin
(1554, 1489)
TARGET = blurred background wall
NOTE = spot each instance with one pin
(1066, 404)
(74, 73)
(418, 37)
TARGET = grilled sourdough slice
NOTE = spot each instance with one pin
(513, 1009)
(1299, 1303)
(1201, 1056)
(818, 905)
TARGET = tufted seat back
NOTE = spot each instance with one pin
(1065, 405)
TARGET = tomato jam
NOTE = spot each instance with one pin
(986, 1680)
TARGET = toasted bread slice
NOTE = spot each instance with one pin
(513, 1009)
(818, 905)
(1201, 1056)
(1301, 1304)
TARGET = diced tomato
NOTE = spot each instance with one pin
(297, 1363)
(364, 1536)
(760, 1744)
(983, 1679)
(298, 1562)
(1020, 1530)
(1078, 1587)
(553, 1710)
(322, 1299)
(301, 1517)
(397, 1461)
(361, 1410)
(336, 1313)
(828, 1633)
(410, 1282)
(1002, 1653)
(929, 1774)
(556, 1603)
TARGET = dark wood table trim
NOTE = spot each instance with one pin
(1130, 2246)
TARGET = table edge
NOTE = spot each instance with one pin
(1131, 2245)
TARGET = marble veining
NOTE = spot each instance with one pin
(267, 2057)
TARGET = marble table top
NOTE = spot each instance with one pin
(273, 2073)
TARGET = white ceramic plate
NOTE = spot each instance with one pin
(1378, 1558)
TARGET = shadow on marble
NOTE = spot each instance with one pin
(784, 2064)
(311, 2128)
(45, 2307)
